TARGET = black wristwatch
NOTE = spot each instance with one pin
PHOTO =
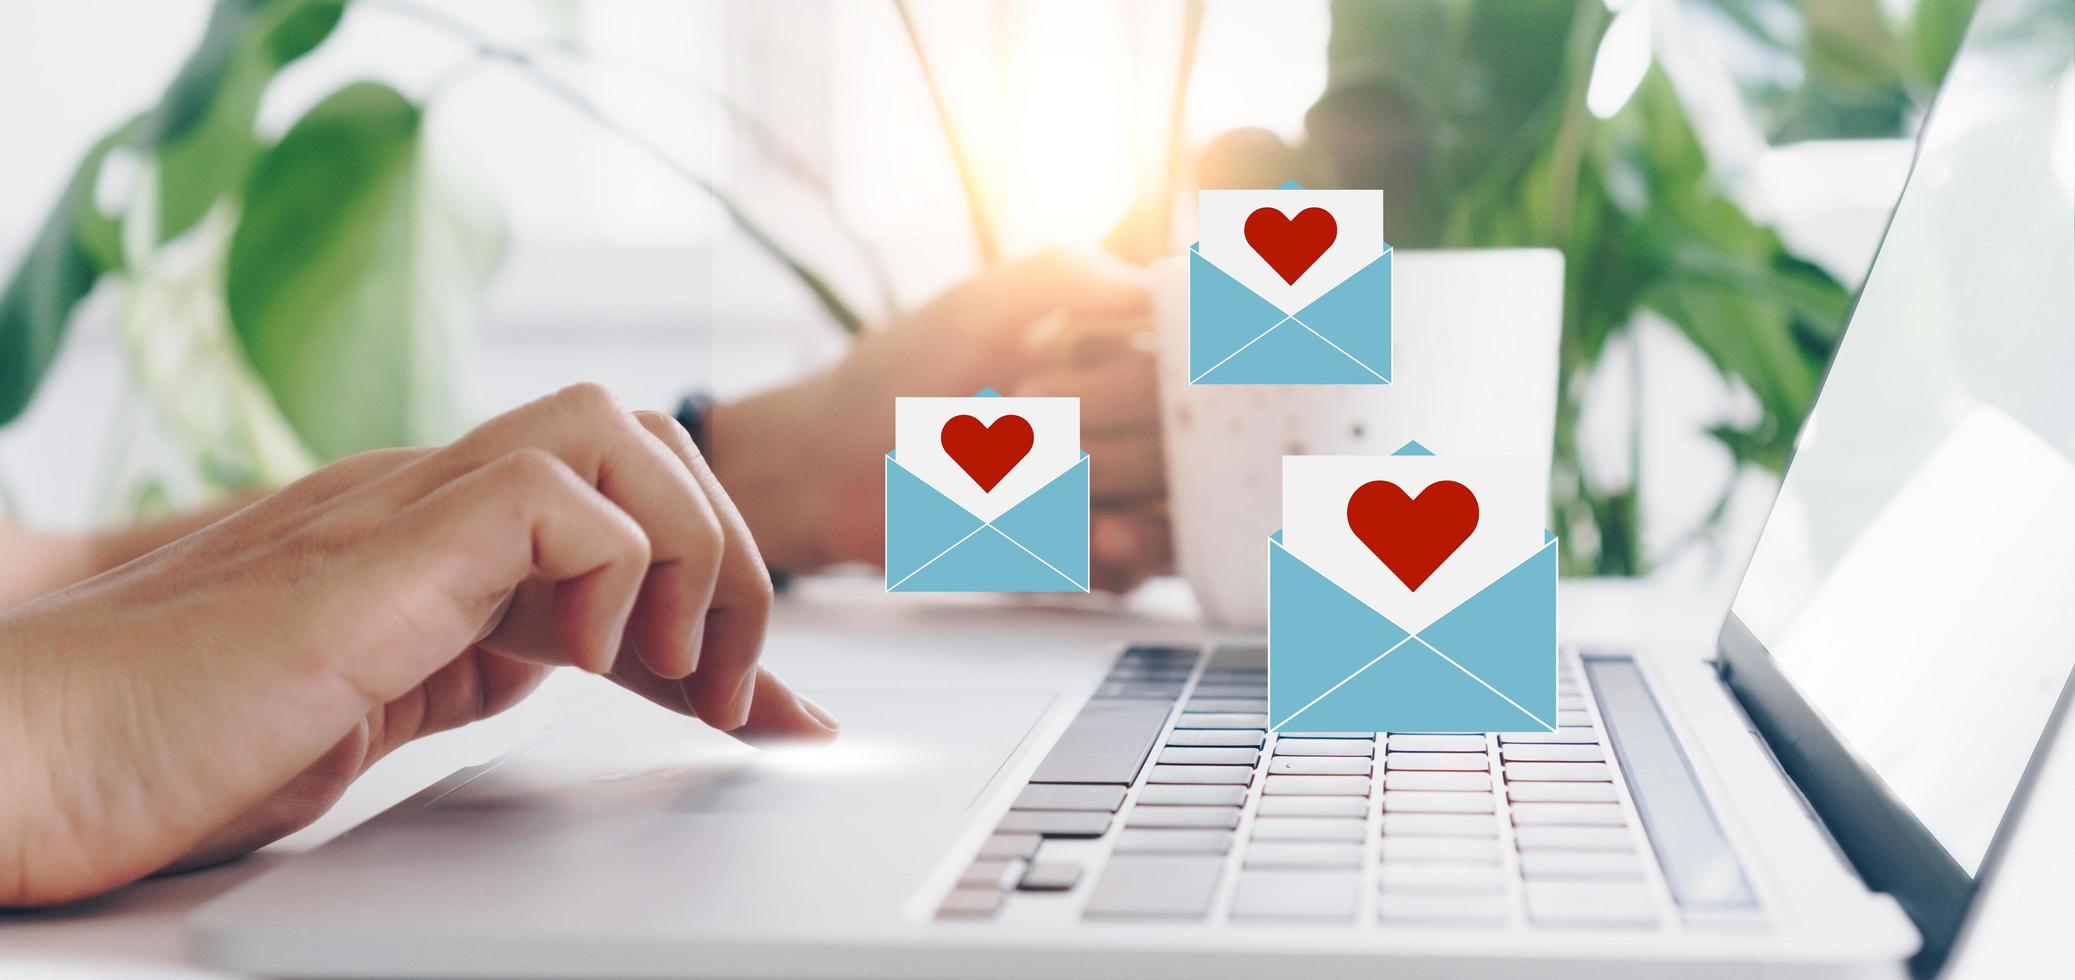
(694, 413)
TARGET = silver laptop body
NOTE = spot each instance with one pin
(1020, 794)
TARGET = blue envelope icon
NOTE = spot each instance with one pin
(1336, 664)
(935, 545)
(1236, 337)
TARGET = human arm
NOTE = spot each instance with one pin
(224, 689)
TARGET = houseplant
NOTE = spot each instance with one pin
(290, 299)
(1478, 119)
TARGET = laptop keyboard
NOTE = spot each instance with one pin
(1167, 798)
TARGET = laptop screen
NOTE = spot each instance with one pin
(1916, 580)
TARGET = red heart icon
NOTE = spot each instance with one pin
(987, 452)
(1412, 536)
(1291, 245)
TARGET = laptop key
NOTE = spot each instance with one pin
(1145, 841)
(1235, 738)
(1247, 692)
(1218, 775)
(1423, 909)
(998, 875)
(1155, 886)
(1449, 849)
(1562, 736)
(1237, 656)
(1436, 743)
(1185, 817)
(1569, 814)
(1560, 792)
(1580, 864)
(1351, 747)
(1442, 878)
(1316, 786)
(1158, 692)
(1297, 894)
(1239, 705)
(1438, 761)
(1573, 839)
(970, 903)
(1321, 765)
(1006, 846)
(1313, 806)
(1589, 903)
(1056, 823)
(1552, 753)
(1588, 772)
(1070, 796)
(1220, 719)
(1192, 755)
(1309, 828)
(1106, 743)
(1050, 876)
(1159, 655)
(1418, 801)
(1439, 825)
(1447, 781)
(1303, 854)
(1179, 794)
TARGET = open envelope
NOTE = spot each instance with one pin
(1336, 664)
(1330, 325)
(945, 534)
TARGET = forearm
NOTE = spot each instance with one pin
(113, 549)
(760, 448)
(36, 563)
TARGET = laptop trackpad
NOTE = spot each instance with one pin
(937, 751)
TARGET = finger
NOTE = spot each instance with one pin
(1117, 393)
(779, 712)
(587, 429)
(1128, 547)
(1126, 467)
(776, 711)
(731, 635)
(458, 553)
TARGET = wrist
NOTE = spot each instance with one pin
(763, 450)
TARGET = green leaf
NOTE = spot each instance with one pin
(353, 280)
(59, 270)
(1932, 37)
(201, 130)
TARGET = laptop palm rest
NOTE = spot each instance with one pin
(633, 821)
(929, 751)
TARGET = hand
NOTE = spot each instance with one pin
(223, 690)
(805, 460)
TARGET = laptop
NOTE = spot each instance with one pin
(1019, 795)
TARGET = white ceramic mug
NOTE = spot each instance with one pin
(1473, 365)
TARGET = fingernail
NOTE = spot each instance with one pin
(610, 654)
(743, 693)
(820, 713)
(698, 640)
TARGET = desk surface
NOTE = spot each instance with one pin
(140, 925)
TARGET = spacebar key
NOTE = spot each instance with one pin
(1107, 743)
(1156, 886)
